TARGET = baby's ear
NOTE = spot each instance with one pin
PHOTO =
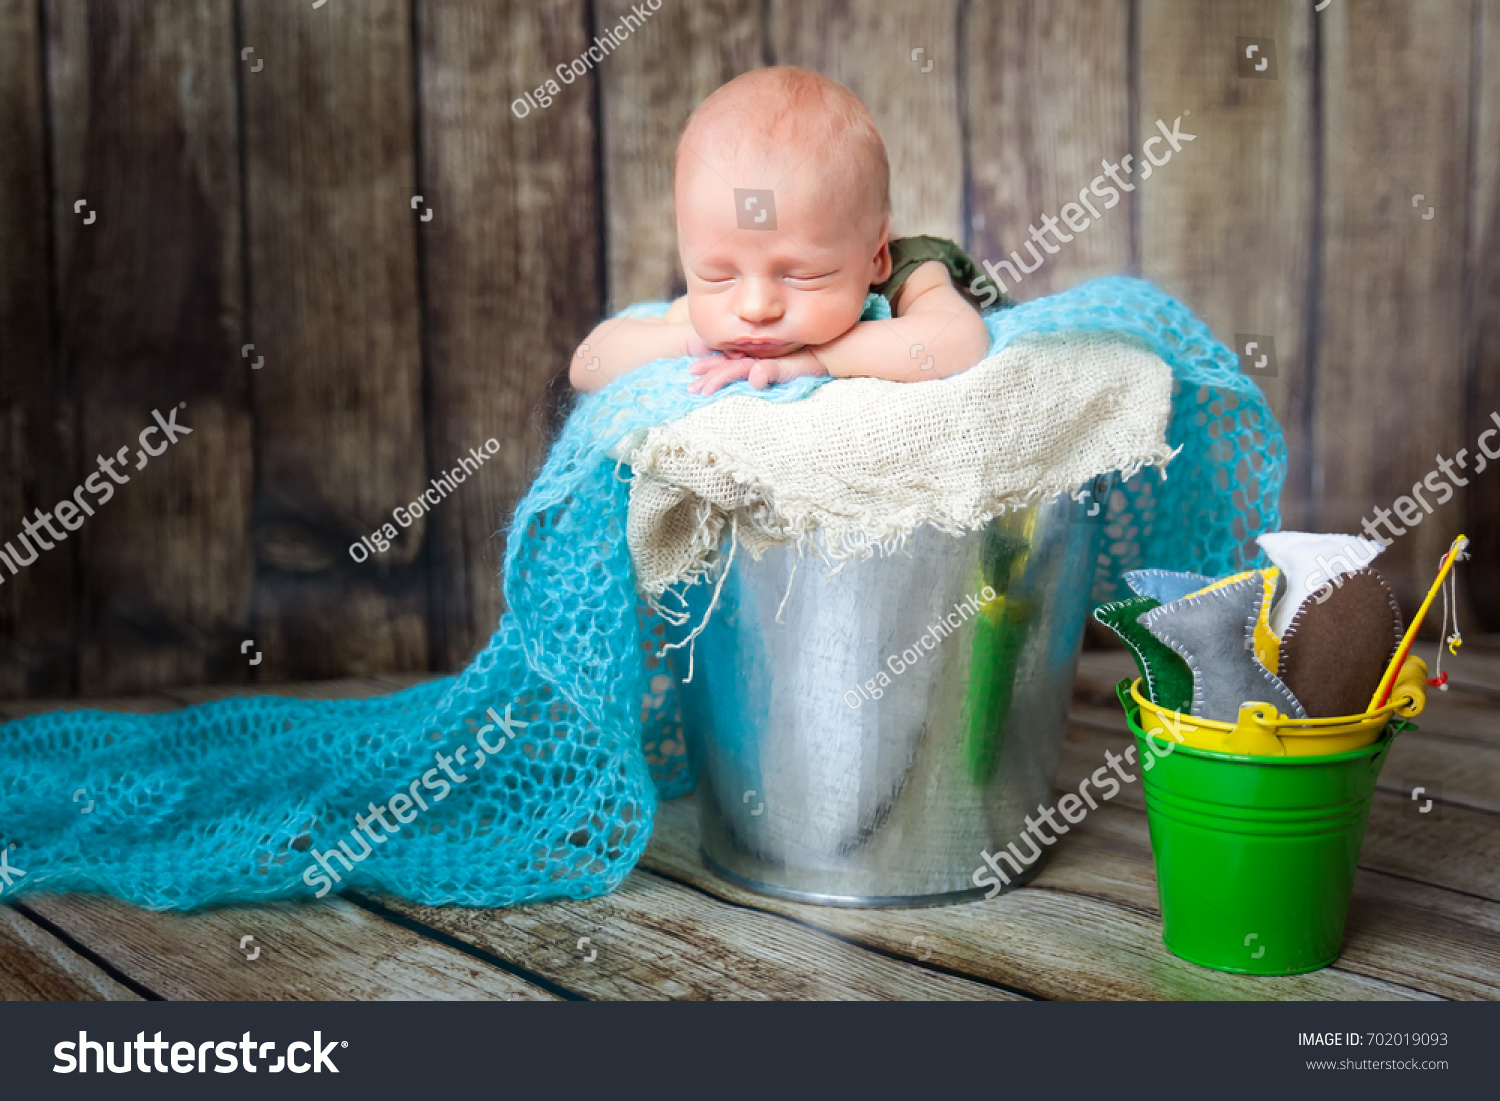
(883, 255)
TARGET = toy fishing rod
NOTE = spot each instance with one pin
(1383, 692)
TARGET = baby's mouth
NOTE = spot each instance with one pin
(764, 349)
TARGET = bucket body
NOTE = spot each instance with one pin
(1255, 856)
(905, 714)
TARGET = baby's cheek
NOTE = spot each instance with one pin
(706, 317)
(832, 315)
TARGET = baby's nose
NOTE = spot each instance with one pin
(757, 302)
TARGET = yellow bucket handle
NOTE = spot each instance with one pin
(1259, 727)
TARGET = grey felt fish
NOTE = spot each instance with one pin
(1214, 633)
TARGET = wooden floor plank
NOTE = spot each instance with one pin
(1476, 665)
(655, 939)
(137, 705)
(1465, 711)
(1454, 848)
(1463, 773)
(338, 689)
(1427, 937)
(314, 952)
(406, 680)
(35, 966)
(1052, 943)
(1424, 919)
(1098, 673)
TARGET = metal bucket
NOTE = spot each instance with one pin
(905, 714)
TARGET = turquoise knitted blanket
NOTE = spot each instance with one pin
(535, 772)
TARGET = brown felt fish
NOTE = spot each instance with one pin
(1333, 653)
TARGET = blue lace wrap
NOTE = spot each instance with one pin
(563, 731)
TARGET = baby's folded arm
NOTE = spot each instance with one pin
(936, 333)
(618, 346)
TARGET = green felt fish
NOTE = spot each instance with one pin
(1165, 677)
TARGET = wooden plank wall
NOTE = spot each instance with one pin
(37, 609)
(150, 308)
(252, 167)
(1227, 224)
(330, 167)
(1392, 299)
(1483, 321)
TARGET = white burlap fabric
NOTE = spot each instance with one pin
(861, 463)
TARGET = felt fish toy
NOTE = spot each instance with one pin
(1309, 561)
(1165, 677)
(1267, 645)
(1214, 633)
(1334, 650)
(1165, 586)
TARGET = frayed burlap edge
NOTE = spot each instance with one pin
(684, 529)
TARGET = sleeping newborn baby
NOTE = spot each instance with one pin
(783, 225)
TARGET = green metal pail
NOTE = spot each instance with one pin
(1255, 856)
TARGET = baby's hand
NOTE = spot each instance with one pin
(718, 371)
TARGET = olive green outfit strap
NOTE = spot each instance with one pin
(910, 253)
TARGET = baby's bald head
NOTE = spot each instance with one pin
(801, 281)
(767, 123)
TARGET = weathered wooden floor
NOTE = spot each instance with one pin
(1424, 923)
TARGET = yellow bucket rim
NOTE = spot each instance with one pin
(1257, 721)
